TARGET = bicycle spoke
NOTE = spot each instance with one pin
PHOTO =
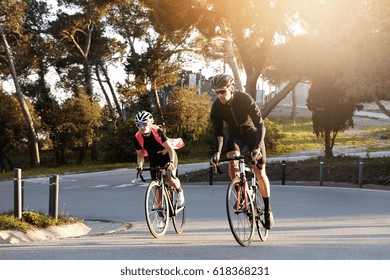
(156, 210)
(179, 217)
(240, 215)
(260, 222)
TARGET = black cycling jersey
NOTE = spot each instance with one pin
(242, 116)
(153, 148)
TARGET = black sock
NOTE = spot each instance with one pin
(266, 203)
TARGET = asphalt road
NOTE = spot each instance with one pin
(312, 223)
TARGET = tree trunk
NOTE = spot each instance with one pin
(34, 148)
(233, 65)
(380, 105)
(251, 82)
(95, 150)
(88, 79)
(108, 101)
(270, 105)
(118, 107)
(293, 105)
(328, 145)
(158, 105)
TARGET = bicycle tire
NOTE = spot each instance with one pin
(241, 222)
(157, 216)
(260, 222)
(179, 217)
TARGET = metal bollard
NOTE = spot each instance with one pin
(53, 196)
(321, 173)
(17, 193)
(283, 172)
(361, 164)
(50, 196)
(22, 196)
(211, 174)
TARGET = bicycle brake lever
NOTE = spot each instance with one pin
(139, 173)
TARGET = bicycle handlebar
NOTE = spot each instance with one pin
(157, 168)
(235, 158)
(239, 157)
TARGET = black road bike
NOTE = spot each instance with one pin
(244, 204)
(161, 204)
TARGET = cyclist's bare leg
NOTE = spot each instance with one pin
(262, 180)
(233, 169)
(264, 186)
(233, 164)
(175, 182)
(157, 198)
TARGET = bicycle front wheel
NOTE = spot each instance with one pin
(179, 215)
(156, 210)
(260, 222)
(240, 216)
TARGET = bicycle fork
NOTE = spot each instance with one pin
(173, 210)
(244, 183)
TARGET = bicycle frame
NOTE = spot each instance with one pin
(165, 188)
(243, 179)
(244, 203)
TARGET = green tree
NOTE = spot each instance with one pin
(13, 130)
(366, 68)
(187, 113)
(246, 28)
(332, 110)
(12, 14)
(81, 119)
(322, 56)
(81, 40)
(154, 58)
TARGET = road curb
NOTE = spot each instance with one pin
(53, 232)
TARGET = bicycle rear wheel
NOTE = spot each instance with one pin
(179, 217)
(156, 210)
(241, 218)
(260, 222)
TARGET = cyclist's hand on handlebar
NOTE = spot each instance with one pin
(215, 159)
(215, 162)
(256, 155)
(170, 165)
(139, 173)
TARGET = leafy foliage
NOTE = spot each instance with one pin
(332, 111)
(187, 113)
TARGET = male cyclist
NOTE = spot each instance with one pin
(150, 140)
(245, 128)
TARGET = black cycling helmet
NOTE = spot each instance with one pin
(222, 81)
(143, 116)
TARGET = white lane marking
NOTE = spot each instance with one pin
(98, 186)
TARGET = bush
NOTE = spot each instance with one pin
(31, 220)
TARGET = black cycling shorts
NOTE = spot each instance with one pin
(237, 143)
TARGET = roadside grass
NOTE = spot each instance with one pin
(299, 137)
(32, 220)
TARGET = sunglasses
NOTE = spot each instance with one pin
(222, 91)
(142, 124)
